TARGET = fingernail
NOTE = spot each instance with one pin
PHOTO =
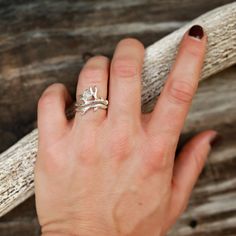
(196, 31)
(215, 140)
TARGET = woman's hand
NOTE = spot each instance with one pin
(113, 172)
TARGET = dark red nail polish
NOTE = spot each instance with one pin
(196, 31)
(216, 140)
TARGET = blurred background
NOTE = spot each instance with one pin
(46, 41)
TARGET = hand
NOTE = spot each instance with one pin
(113, 172)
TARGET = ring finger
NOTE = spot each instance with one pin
(94, 73)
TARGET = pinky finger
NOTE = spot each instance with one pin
(52, 120)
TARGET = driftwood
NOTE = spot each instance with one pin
(17, 163)
(43, 41)
(221, 30)
(212, 208)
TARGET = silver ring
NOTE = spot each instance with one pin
(89, 100)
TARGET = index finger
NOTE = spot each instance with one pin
(171, 109)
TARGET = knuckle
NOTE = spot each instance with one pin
(181, 92)
(157, 157)
(125, 67)
(53, 162)
(157, 160)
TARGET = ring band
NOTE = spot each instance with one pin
(89, 100)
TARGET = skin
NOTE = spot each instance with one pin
(114, 172)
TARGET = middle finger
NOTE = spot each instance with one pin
(125, 81)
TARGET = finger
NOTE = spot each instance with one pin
(125, 81)
(189, 165)
(94, 73)
(173, 104)
(52, 121)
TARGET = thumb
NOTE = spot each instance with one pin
(188, 166)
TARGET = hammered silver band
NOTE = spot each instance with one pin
(89, 100)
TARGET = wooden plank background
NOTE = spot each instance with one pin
(45, 41)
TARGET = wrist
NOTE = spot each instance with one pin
(65, 226)
(58, 233)
(66, 230)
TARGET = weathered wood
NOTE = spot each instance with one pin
(17, 162)
(147, 20)
(208, 210)
(46, 41)
(212, 209)
(221, 52)
(21, 221)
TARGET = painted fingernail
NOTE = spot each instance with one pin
(216, 140)
(196, 31)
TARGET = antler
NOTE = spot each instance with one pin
(17, 163)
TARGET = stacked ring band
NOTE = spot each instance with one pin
(89, 100)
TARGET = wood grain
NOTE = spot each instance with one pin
(212, 209)
(213, 200)
(30, 60)
(17, 162)
(46, 41)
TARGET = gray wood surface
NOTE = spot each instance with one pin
(44, 41)
(17, 163)
(212, 209)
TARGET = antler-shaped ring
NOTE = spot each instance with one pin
(89, 99)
